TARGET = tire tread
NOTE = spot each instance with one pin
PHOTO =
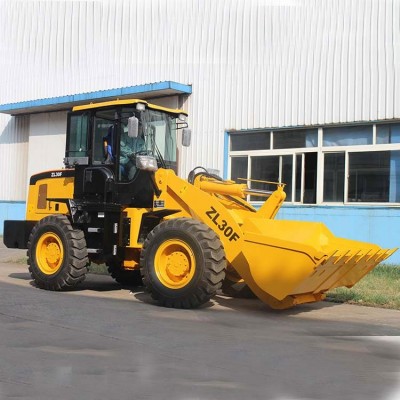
(73, 271)
(214, 263)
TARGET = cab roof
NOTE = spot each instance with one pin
(89, 106)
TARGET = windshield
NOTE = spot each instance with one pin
(160, 136)
(156, 137)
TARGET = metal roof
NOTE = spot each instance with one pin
(150, 90)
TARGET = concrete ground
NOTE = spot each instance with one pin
(101, 341)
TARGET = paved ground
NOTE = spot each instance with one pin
(105, 342)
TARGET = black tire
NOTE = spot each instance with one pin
(123, 276)
(57, 254)
(200, 278)
(238, 290)
(234, 286)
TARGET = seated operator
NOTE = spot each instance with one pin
(107, 148)
(129, 147)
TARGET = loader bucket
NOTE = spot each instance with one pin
(292, 262)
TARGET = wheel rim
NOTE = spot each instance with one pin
(49, 253)
(175, 264)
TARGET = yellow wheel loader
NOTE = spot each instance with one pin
(119, 201)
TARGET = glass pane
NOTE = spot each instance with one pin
(295, 138)
(77, 145)
(159, 136)
(394, 177)
(388, 133)
(104, 136)
(370, 176)
(287, 174)
(250, 141)
(382, 134)
(266, 169)
(334, 177)
(310, 178)
(348, 136)
(239, 169)
(299, 158)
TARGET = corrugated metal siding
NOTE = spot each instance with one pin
(13, 157)
(252, 63)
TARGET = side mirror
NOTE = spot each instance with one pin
(186, 137)
(133, 127)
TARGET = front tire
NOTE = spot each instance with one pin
(182, 263)
(57, 254)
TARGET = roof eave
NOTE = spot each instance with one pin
(146, 91)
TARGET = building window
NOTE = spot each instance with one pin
(345, 164)
(77, 145)
(388, 133)
(250, 141)
(239, 168)
(374, 177)
(348, 136)
(334, 177)
(295, 139)
(266, 168)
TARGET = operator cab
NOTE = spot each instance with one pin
(116, 146)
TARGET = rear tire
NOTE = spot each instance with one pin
(234, 286)
(57, 254)
(124, 277)
(182, 263)
(238, 290)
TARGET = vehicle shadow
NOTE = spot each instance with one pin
(20, 275)
(253, 305)
(93, 282)
(105, 283)
(145, 297)
(256, 305)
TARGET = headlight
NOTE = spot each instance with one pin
(146, 163)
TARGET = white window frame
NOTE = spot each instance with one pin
(321, 151)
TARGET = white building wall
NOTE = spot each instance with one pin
(14, 134)
(46, 142)
(252, 64)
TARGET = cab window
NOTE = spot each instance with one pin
(104, 125)
(77, 142)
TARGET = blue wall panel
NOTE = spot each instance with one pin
(380, 225)
(11, 210)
